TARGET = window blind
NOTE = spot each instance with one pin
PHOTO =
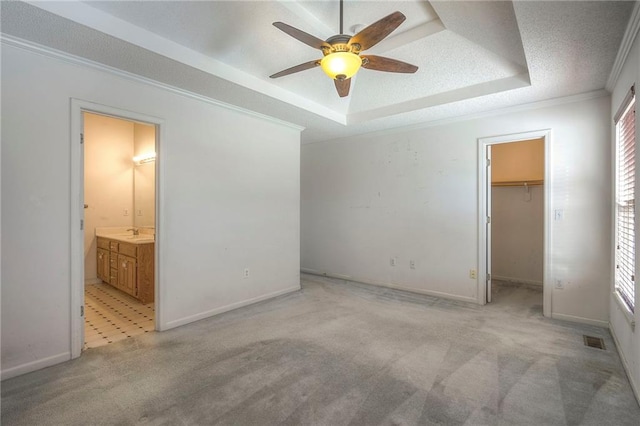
(625, 202)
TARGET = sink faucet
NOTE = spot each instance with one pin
(136, 231)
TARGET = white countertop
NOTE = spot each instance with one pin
(124, 236)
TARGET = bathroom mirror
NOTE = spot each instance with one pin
(144, 176)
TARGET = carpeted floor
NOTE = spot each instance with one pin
(338, 354)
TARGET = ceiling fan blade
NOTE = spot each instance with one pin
(297, 68)
(380, 63)
(377, 31)
(300, 35)
(342, 86)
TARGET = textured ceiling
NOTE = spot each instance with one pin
(472, 56)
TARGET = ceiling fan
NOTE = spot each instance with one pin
(341, 53)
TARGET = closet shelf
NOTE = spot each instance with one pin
(518, 183)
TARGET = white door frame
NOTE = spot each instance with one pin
(483, 143)
(77, 211)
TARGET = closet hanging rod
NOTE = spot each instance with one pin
(518, 183)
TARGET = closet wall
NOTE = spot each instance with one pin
(517, 214)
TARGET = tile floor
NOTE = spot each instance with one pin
(111, 316)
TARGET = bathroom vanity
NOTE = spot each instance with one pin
(128, 263)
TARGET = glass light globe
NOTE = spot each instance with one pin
(344, 64)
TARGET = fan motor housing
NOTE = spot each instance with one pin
(340, 43)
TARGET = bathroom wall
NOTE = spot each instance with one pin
(108, 180)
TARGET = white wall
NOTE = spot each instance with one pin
(517, 233)
(108, 180)
(627, 337)
(229, 199)
(414, 195)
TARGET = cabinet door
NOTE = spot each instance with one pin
(103, 265)
(127, 274)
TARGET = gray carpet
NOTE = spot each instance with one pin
(337, 354)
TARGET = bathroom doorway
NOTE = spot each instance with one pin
(514, 194)
(114, 191)
(119, 228)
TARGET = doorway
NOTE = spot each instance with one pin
(115, 272)
(516, 186)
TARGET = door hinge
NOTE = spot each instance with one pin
(81, 224)
(488, 219)
(488, 162)
(488, 277)
(81, 310)
(81, 138)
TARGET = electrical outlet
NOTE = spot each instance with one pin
(125, 212)
(473, 274)
(412, 264)
(245, 273)
(559, 284)
(393, 261)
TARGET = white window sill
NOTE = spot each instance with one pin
(628, 315)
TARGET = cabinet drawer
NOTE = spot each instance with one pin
(113, 246)
(127, 249)
(113, 261)
(103, 243)
(113, 277)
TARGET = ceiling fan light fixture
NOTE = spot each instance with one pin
(341, 65)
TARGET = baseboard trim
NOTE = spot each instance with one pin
(515, 280)
(582, 320)
(92, 281)
(34, 365)
(625, 365)
(390, 285)
(197, 317)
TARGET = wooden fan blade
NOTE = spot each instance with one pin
(380, 63)
(300, 35)
(377, 31)
(297, 68)
(342, 86)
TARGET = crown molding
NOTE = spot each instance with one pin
(625, 47)
(582, 97)
(84, 14)
(9, 40)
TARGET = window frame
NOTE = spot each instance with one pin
(624, 193)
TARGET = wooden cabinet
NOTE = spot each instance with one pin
(127, 275)
(104, 267)
(129, 267)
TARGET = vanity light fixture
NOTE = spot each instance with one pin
(144, 158)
